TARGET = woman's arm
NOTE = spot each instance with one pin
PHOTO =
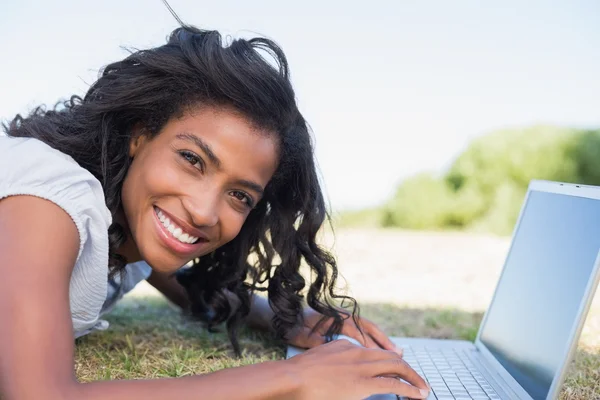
(260, 315)
(38, 248)
(170, 288)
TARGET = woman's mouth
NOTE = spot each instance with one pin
(175, 230)
(175, 236)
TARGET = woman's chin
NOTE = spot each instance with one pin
(161, 261)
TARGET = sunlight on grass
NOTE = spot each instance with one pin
(403, 286)
(148, 338)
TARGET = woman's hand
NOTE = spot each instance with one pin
(373, 338)
(261, 315)
(342, 370)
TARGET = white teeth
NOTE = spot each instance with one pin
(175, 230)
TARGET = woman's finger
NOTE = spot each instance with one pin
(352, 331)
(396, 367)
(304, 339)
(370, 343)
(381, 338)
(377, 354)
(397, 387)
(369, 340)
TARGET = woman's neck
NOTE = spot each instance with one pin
(128, 249)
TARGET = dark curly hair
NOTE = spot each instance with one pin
(151, 86)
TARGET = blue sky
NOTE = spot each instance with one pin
(390, 88)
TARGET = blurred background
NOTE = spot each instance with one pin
(426, 114)
(429, 118)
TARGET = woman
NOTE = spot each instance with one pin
(188, 152)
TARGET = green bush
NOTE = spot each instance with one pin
(368, 218)
(485, 186)
(419, 203)
(501, 216)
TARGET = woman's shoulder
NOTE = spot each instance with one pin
(29, 166)
(23, 153)
(22, 159)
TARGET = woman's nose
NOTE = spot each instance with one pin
(204, 210)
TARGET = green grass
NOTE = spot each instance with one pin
(148, 338)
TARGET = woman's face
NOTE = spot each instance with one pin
(190, 188)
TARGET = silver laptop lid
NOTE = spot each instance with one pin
(546, 286)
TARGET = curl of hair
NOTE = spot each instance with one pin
(151, 86)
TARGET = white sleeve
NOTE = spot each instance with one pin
(30, 167)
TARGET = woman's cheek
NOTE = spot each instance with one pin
(231, 224)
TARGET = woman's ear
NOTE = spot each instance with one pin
(138, 138)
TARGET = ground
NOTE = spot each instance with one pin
(410, 283)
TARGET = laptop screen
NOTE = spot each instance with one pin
(543, 283)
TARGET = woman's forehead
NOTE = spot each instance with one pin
(227, 140)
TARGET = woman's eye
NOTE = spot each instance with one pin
(192, 159)
(243, 197)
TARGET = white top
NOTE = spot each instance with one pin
(30, 167)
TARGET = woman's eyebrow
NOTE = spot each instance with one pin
(190, 137)
(251, 185)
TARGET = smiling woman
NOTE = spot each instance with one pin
(199, 178)
(191, 151)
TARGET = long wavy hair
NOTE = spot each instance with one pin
(149, 87)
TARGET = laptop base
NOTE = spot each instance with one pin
(453, 368)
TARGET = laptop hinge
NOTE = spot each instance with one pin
(500, 385)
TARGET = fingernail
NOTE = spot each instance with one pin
(424, 392)
(399, 350)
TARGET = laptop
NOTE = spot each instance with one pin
(530, 331)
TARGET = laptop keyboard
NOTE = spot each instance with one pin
(450, 373)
